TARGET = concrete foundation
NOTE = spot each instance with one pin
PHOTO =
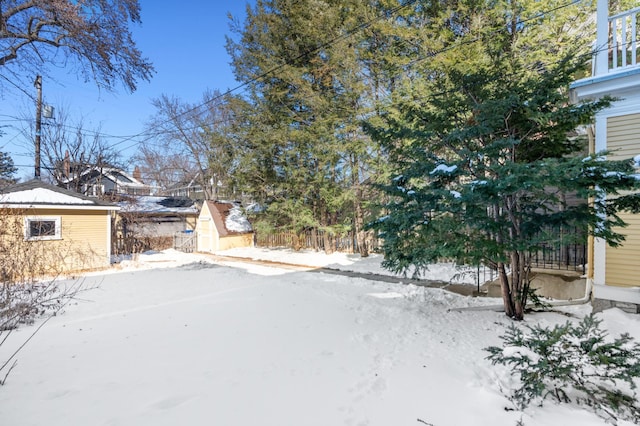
(552, 284)
(600, 305)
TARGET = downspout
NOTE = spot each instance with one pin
(590, 259)
(590, 242)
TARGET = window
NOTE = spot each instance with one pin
(42, 228)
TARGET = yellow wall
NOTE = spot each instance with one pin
(84, 242)
(233, 241)
(192, 221)
(623, 138)
(203, 229)
(210, 240)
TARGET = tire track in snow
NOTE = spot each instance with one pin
(159, 305)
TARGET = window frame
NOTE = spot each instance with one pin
(57, 228)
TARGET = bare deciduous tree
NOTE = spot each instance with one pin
(69, 149)
(93, 35)
(198, 135)
(162, 164)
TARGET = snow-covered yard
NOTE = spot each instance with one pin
(174, 339)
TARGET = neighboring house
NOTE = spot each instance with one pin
(616, 72)
(98, 181)
(74, 230)
(222, 226)
(150, 216)
(189, 188)
(192, 188)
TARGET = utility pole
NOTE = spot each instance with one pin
(38, 84)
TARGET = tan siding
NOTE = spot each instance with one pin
(209, 237)
(84, 238)
(233, 241)
(623, 133)
(622, 262)
(191, 222)
(83, 244)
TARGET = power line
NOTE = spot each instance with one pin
(290, 61)
(385, 15)
(147, 135)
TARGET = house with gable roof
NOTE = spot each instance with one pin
(613, 272)
(99, 181)
(73, 230)
(221, 226)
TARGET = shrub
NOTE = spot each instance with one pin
(573, 363)
(29, 285)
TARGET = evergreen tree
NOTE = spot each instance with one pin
(482, 150)
(7, 169)
(306, 155)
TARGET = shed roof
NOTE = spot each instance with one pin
(38, 194)
(154, 205)
(228, 218)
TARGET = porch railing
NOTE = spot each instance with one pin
(623, 39)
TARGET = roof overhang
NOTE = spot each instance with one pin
(59, 207)
(617, 84)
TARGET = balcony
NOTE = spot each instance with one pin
(616, 64)
(623, 40)
(617, 41)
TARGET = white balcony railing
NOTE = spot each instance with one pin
(623, 39)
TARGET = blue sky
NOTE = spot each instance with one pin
(186, 43)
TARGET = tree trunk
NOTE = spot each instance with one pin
(519, 284)
(507, 299)
(359, 225)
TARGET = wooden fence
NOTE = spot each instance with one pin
(316, 240)
(185, 241)
(129, 245)
(569, 256)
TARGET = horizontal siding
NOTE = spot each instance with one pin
(85, 238)
(622, 262)
(622, 136)
(242, 240)
(623, 140)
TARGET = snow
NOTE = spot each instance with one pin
(520, 352)
(614, 174)
(171, 338)
(443, 168)
(448, 272)
(236, 221)
(40, 196)
(152, 204)
(598, 158)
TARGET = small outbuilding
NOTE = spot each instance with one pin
(221, 226)
(152, 216)
(55, 230)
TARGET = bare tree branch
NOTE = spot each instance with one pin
(94, 34)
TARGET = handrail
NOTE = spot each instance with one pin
(627, 12)
(623, 41)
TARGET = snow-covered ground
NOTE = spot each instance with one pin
(175, 339)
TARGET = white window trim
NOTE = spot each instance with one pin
(58, 228)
